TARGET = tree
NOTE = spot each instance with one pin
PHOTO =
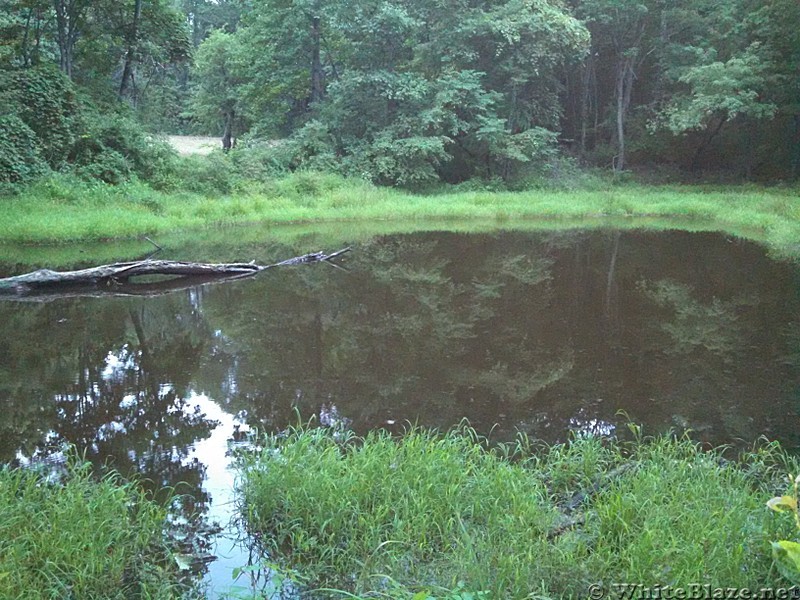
(70, 17)
(131, 41)
(718, 68)
(403, 92)
(218, 83)
(619, 29)
(717, 92)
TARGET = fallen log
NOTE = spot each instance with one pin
(115, 279)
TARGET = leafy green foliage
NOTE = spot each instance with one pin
(379, 96)
(114, 148)
(721, 90)
(218, 68)
(20, 159)
(81, 538)
(786, 553)
(41, 121)
(49, 127)
(431, 511)
(211, 176)
(46, 101)
(403, 92)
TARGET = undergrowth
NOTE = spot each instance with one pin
(63, 208)
(445, 515)
(81, 539)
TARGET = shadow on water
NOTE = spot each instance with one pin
(544, 333)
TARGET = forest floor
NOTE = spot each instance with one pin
(187, 145)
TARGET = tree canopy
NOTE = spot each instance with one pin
(406, 92)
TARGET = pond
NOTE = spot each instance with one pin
(543, 333)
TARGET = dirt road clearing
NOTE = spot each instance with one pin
(193, 144)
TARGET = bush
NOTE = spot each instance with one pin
(259, 160)
(109, 166)
(114, 148)
(560, 173)
(208, 175)
(39, 120)
(20, 159)
(45, 100)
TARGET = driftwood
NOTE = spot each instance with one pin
(116, 279)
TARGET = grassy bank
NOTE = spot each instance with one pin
(83, 539)
(62, 209)
(440, 512)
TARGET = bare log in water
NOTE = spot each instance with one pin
(115, 279)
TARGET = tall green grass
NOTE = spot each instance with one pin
(429, 512)
(63, 208)
(83, 539)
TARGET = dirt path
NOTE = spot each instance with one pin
(193, 144)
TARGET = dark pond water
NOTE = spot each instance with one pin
(537, 332)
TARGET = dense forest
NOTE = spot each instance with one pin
(403, 92)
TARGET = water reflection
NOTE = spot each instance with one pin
(546, 333)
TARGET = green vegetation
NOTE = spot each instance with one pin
(432, 512)
(477, 115)
(81, 538)
(65, 209)
(528, 96)
(787, 552)
(404, 92)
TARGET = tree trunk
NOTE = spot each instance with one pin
(587, 81)
(68, 15)
(62, 24)
(227, 134)
(316, 63)
(115, 279)
(24, 45)
(196, 35)
(706, 142)
(130, 53)
(619, 163)
(795, 149)
(625, 73)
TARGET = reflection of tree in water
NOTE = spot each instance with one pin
(706, 343)
(110, 377)
(544, 333)
(416, 326)
(712, 327)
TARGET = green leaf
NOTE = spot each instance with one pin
(787, 559)
(783, 504)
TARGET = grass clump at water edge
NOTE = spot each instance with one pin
(432, 512)
(62, 208)
(82, 539)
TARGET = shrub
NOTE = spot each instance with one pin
(208, 175)
(113, 148)
(45, 100)
(20, 158)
